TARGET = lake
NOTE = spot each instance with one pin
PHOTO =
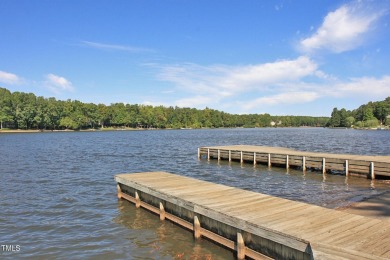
(58, 196)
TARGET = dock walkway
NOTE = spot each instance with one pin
(257, 225)
(371, 166)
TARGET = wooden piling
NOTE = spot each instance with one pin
(269, 160)
(372, 171)
(230, 155)
(162, 212)
(254, 159)
(323, 166)
(219, 154)
(197, 232)
(346, 168)
(287, 165)
(304, 163)
(137, 200)
(240, 247)
(118, 188)
(241, 158)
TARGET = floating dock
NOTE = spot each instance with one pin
(255, 225)
(370, 166)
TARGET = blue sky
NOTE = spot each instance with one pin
(279, 57)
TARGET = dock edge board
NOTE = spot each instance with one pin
(245, 238)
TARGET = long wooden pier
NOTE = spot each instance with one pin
(255, 225)
(370, 166)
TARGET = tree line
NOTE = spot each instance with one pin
(368, 115)
(19, 110)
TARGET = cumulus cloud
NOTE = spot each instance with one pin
(343, 29)
(9, 78)
(114, 47)
(57, 84)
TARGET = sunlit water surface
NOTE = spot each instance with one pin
(58, 197)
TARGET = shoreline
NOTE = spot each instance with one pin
(374, 207)
(12, 131)
(148, 129)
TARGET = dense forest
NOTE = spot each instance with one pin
(20, 110)
(372, 114)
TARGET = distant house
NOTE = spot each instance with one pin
(273, 123)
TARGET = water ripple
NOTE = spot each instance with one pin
(58, 197)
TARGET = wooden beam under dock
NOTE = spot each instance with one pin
(256, 225)
(369, 166)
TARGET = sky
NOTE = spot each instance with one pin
(292, 57)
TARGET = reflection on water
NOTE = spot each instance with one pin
(58, 197)
(163, 239)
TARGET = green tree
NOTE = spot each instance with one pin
(368, 113)
(5, 106)
(381, 112)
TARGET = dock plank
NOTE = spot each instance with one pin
(332, 234)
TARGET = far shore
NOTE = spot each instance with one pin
(69, 130)
(143, 129)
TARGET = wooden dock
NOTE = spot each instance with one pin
(255, 225)
(370, 166)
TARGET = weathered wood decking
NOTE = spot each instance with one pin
(371, 166)
(255, 224)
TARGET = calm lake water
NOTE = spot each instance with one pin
(58, 197)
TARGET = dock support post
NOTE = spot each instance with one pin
(269, 160)
(198, 153)
(162, 212)
(323, 166)
(287, 166)
(372, 172)
(219, 154)
(240, 247)
(137, 200)
(346, 168)
(118, 188)
(208, 154)
(254, 159)
(241, 158)
(230, 155)
(196, 227)
(304, 163)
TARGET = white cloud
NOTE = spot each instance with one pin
(300, 93)
(218, 84)
(344, 29)
(225, 81)
(197, 101)
(9, 78)
(365, 86)
(281, 99)
(260, 87)
(115, 47)
(57, 84)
